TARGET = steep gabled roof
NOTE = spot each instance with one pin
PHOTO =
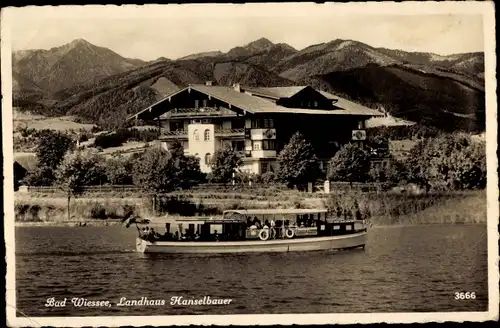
(352, 107)
(277, 92)
(254, 105)
(240, 100)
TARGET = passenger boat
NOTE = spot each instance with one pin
(255, 230)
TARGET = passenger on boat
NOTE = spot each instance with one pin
(358, 215)
(273, 229)
(153, 233)
(339, 211)
(216, 235)
(176, 235)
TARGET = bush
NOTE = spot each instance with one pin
(108, 140)
(98, 212)
(394, 173)
(267, 177)
(83, 138)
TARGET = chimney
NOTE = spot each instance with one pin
(236, 87)
(208, 83)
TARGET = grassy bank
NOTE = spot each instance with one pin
(380, 209)
(460, 209)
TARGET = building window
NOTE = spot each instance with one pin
(176, 126)
(256, 145)
(207, 159)
(206, 135)
(196, 135)
(268, 145)
(266, 123)
(238, 145)
(196, 103)
(196, 155)
(264, 168)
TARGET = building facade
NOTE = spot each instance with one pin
(258, 122)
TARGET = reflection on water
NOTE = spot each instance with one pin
(402, 269)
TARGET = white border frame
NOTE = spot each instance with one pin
(484, 8)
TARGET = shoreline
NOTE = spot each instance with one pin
(96, 223)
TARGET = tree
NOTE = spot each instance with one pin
(40, 176)
(297, 162)
(224, 164)
(448, 161)
(52, 147)
(468, 167)
(394, 173)
(155, 171)
(350, 164)
(187, 167)
(158, 172)
(118, 171)
(77, 170)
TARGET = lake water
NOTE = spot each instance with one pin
(402, 269)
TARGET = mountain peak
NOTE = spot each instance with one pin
(261, 43)
(79, 42)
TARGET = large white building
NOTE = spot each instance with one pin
(256, 121)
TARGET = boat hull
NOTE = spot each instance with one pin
(354, 240)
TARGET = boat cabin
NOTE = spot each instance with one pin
(255, 224)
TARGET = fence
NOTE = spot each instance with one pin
(88, 189)
(325, 187)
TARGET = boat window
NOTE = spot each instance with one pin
(216, 227)
(348, 227)
(336, 227)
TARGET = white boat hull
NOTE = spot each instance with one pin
(354, 240)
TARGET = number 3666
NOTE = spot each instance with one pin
(465, 296)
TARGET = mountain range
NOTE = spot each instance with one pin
(97, 85)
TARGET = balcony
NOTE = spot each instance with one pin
(171, 135)
(228, 133)
(197, 112)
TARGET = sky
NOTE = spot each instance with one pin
(173, 31)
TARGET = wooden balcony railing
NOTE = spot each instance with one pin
(173, 134)
(202, 111)
(230, 132)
